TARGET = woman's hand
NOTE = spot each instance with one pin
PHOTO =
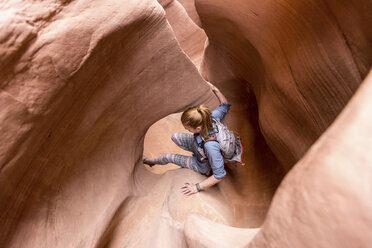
(218, 93)
(213, 88)
(189, 189)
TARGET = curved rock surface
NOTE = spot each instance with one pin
(82, 82)
(301, 60)
(324, 201)
(76, 103)
(184, 24)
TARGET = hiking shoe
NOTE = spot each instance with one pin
(145, 160)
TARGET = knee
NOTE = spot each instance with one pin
(168, 157)
(175, 138)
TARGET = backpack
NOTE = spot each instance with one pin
(231, 148)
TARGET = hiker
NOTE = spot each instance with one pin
(207, 156)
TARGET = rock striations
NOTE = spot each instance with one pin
(83, 81)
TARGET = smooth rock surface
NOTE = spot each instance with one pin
(301, 63)
(83, 82)
(325, 200)
(77, 100)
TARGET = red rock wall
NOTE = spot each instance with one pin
(81, 83)
(324, 201)
(301, 60)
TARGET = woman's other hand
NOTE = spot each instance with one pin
(189, 189)
(218, 93)
(213, 88)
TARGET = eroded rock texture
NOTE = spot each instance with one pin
(82, 82)
(301, 62)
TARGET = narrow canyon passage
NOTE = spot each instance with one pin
(83, 82)
(247, 190)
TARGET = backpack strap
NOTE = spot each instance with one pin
(212, 137)
(216, 124)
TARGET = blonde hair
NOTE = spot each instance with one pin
(198, 116)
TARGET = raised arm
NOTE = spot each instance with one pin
(218, 93)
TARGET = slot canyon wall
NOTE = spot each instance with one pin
(83, 81)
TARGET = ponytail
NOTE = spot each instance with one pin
(198, 116)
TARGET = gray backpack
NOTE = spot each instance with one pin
(231, 148)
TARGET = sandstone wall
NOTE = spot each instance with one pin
(83, 81)
(302, 60)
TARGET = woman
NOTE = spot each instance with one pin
(207, 158)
